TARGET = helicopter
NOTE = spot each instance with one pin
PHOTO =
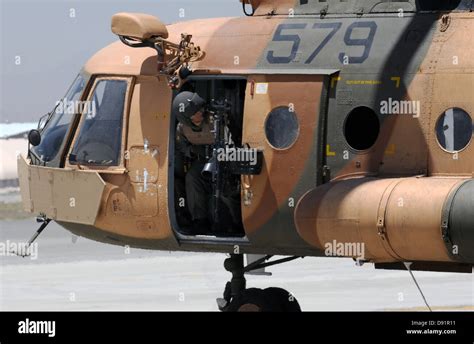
(358, 112)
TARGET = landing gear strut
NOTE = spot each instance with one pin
(237, 298)
(44, 222)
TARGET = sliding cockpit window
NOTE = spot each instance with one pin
(99, 140)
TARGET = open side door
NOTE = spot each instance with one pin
(285, 116)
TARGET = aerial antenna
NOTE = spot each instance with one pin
(408, 266)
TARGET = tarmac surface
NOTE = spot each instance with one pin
(70, 274)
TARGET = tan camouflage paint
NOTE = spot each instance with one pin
(405, 146)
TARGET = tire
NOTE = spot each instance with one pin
(285, 301)
(268, 300)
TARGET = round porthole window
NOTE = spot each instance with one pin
(454, 130)
(281, 127)
(362, 128)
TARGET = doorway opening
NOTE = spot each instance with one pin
(205, 187)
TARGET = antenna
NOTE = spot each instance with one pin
(408, 266)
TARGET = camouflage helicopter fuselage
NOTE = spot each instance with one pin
(393, 186)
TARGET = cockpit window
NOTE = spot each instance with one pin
(54, 129)
(99, 140)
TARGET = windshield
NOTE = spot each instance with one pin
(54, 131)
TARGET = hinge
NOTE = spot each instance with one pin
(381, 228)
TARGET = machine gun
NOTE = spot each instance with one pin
(214, 168)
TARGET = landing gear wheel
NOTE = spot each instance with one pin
(250, 300)
(237, 298)
(268, 300)
(285, 300)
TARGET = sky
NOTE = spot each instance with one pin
(44, 44)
